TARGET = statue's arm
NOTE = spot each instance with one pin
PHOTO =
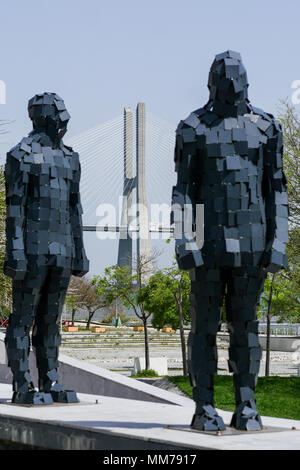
(80, 265)
(276, 202)
(183, 213)
(16, 185)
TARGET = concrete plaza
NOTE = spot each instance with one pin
(102, 422)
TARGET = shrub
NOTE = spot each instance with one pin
(146, 373)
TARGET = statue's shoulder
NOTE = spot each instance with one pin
(196, 124)
(20, 151)
(67, 149)
(265, 122)
(73, 157)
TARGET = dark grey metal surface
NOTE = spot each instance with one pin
(228, 158)
(44, 245)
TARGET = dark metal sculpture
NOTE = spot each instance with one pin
(228, 157)
(44, 247)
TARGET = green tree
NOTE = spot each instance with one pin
(5, 282)
(166, 297)
(285, 305)
(119, 283)
(73, 301)
(82, 294)
(281, 296)
(280, 301)
(91, 299)
(290, 123)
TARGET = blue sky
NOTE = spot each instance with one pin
(103, 55)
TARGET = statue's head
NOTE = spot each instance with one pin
(48, 113)
(227, 80)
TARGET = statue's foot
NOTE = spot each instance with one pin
(207, 420)
(32, 397)
(246, 417)
(50, 384)
(64, 396)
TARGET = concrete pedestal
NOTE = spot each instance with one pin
(102, 422)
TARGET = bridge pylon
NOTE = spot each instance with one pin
(125, 251)
(139, 211)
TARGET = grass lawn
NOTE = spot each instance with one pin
(275, 396)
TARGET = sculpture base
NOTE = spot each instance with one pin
(32, 398)
(64, 396)
(246, 417)
(208, 420)
(111, 423)
(229, 431)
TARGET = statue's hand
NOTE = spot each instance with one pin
(15, 269)
(188, 258)
(78, 273)
(80, 266)
(274, 258)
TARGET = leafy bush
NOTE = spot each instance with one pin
(146, 373)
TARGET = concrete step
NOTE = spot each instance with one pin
(117, 338)
(121, 339)
(119, 342)
(106, 339)
(123, 335)
(118, 345)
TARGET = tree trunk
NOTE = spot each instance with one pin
(91, 314)
(269, 316)
(147, 356)
(181, 329)
(73, 315)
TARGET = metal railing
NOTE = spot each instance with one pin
(277, 329)
(281, 329)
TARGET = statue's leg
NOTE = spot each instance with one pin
(46, 333)
(243, 293)
(207, 290)
(25, 295)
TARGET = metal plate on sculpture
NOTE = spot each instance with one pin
(42, 405)
(229, 431)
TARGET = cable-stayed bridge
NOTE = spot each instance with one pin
(127, 165)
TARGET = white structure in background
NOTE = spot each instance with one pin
(143, 240)
(158, 364)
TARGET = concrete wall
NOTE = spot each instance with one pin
(281, 343)
(27, 434)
